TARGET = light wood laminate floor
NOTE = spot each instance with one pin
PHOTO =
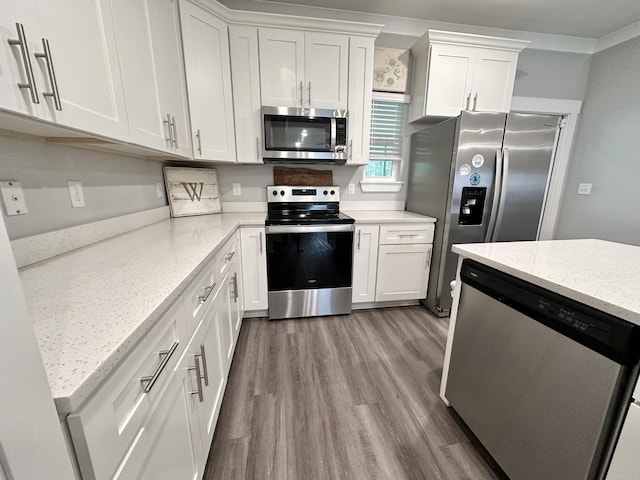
(344, 397)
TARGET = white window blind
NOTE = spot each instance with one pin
(387, 135)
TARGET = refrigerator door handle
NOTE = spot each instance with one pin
(496, 197)
(503, 192)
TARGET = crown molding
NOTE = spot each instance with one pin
(280, 20)
(620, 36)
(440, 36)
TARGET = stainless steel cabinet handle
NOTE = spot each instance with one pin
(207, 292)
(301, 94)
(153, 378)
(260, 240)
(309, 93)
(428, 262)
(468, 100)
(175, 132)
(350, 148)
(198, 378)
(235, 288)
(26, 60)
(203, 355)
(359, 231)
(167, 122)
(199, 147)
(475, 101)
(46, 54)
(258, 148)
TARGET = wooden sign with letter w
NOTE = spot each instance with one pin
(192, 191)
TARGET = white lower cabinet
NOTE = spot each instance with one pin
(155, 417)
(254, 268)
(365, 263)
(391, 262)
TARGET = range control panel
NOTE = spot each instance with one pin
(286, 193)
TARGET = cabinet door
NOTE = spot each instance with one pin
(169, 446)
(245, 77)
(83, 64)
(15, 59)
(164, 22)
(145, 118)
(206, 350)
(281, 67)
(493, 78)
(326, 70)
(403, 271)
(235, 303)
(360, 92)
(208, 69)
(449, 79)
(365, 263)
(254, 268)
(223, 307)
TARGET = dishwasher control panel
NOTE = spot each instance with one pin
(611, 336)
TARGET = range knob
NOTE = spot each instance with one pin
(275, 193)
(325, 192)
(333, 192)
(282, 193)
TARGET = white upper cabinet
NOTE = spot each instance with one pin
(245, 77)
(360, 92)
(208, 69)
(67, 52)
(454, 72)
(148, 36)
(299, 69)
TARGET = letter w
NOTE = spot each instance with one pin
(192, 190)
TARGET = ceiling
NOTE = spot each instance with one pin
(580, 18)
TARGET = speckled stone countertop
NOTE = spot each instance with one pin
(604, 275)
(387, 216)
(92, 305)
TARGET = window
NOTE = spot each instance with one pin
(388, 120)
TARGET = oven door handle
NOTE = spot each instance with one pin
(271, 229)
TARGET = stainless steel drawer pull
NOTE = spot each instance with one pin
(198, 379)
(235, 288)
(260, 237)
(468, 100)
(165, 355)
(207, 292)
(475, 102)
(203, 355)
(26, 60)
(46, 54)
(359, 232)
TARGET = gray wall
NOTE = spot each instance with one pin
(606, 152)
(547, 74)
(113, 185)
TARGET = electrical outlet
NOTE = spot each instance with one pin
(352, 188)
(159, 190)
(237, 189)
(13, 198)
(584, 189)
(76, 193)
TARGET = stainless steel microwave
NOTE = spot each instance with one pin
(304, 135)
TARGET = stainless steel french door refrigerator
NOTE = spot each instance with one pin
(484, 176)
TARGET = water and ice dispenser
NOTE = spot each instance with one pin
(472, 205)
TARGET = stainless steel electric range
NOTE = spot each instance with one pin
(309, 252)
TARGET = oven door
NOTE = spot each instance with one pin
(309, 270)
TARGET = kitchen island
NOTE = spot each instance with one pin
(535, 327)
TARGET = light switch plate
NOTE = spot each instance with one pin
(13, 198)
(584, 189)
(76, 193)
(237, 189)
(352, 188)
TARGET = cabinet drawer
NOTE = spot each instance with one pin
(105, 427)
(227, 254)
(200, 293)
(406, 233)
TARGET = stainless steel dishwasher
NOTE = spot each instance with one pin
(541, 380)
